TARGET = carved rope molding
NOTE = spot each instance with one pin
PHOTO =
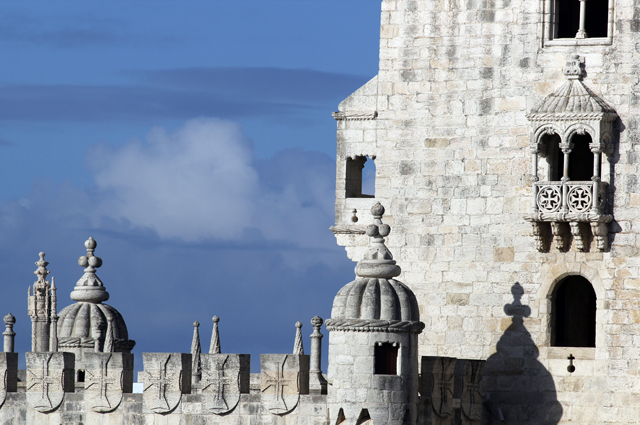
(355, 116)
(371, 325)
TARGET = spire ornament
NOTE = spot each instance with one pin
(297, 346)
(378, 262)
(196, 367)
(90, 288)
(214, 348)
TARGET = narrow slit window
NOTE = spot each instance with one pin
(386, 358)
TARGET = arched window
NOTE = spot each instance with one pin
(573, 313)
(581, 158)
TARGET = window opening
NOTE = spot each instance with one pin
(574, 313)
(555, 158)
(80, 375)
(581, 158)
(360, 178)
(386, 358)
(581, 19)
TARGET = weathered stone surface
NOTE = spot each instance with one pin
(224, 378)
(107, 377)
(166, 377)
(49, 376)
(9, 374)
(283, 378)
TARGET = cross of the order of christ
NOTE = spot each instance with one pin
(278, 382)
(162, 380)
(44, 378)
(103, 381)
(217, 383)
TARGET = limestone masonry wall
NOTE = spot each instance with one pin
(446, 120)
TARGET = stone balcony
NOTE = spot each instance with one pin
(576, 208)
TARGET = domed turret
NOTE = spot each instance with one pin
(90, 325)
(373, 340)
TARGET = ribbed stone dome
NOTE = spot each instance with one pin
(78, 320)
(376, 299)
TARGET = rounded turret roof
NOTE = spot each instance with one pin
(89, 319)
(375, 295)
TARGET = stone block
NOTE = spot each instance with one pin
(224, 378)
(8, 369)
(283, 378)
(166, 377)
(107, 377)
(49, 376)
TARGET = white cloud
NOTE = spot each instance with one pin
(202, 182)
(197, 182)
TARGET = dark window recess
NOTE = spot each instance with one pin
(574, 313)
(597, 18)
(581, 158)
(80, 375)
(555, 158)
(360, 178)
(386, 358)
(595, 23)
(568, 19)
(364, 417)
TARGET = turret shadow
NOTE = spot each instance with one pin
(518, 388)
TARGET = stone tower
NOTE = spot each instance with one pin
(373, 341)
(505, 141)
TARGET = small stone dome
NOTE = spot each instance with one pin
(78, 320)
(375, 295)
(376, 299)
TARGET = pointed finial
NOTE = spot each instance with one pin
(214, 348)
(196, 366)
(42, 271)
(378, 262)
(297, 346)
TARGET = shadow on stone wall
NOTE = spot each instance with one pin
(520, 390)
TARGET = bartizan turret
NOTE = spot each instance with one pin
(373, 341)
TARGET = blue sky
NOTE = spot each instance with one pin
(194, 141)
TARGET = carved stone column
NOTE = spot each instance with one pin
(9, 334)
(317, 383)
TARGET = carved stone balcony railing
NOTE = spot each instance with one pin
(570, 205)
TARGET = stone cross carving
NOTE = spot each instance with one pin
(166, 377)
(471, 401)
(223, 379)
(438, 383)
(49, 376)
(284, 377)
(108, 376)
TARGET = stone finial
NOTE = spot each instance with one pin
(42, 271)
(575, 68)
(90, 288)
(297, 346)
(9, 334)
(214, 348)
(378, 262)
(196, 349)
(317, 322)
(90, 261)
